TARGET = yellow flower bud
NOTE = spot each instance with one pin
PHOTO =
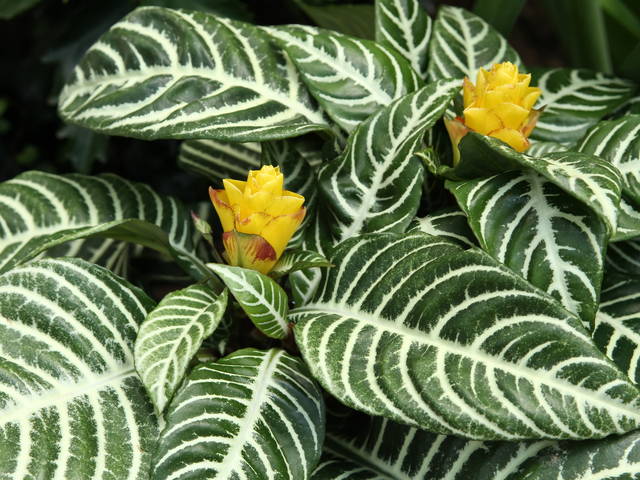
(500, 105)
(258, 218)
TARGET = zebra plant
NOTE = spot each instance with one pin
(494, 336)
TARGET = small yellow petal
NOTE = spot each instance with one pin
(221, 204)
(513, 138)
(456, 130)
(493, 98)
(235, 191)
(530, 98)
(279, 231)
(254, 223)
(481, 120)
(512, 115)
(468, 92)
(257, 202)
(285, 205)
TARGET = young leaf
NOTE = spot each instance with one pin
(252, 414)
(462, 43)
(262, 299)
(540, 232)
(72, 405)
(576, 100)
(406, 27)
(376, 184)
(171, 335)
(161, 73)
(295, 260)
(349, 77)
(217, 160)
(41, 211)
(412, 328)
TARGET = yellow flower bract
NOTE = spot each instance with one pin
(258, 218)
(500, 105)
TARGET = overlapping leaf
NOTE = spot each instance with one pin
(540, 232)
(252, 414)
(71, 403)
(462, 43)
(624, 257)
(576, 100)
(593, 181)
(377, 448)
(617, 327)
(171, 335)
(295, 260)
(40, 211)
(161, 73)
(350, 78)
(450, 223)
(262, 299)
(376, 184)
(406, 27)
(412, 328)
(219, 160)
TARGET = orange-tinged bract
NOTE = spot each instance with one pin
(258, 218)
(500, 105)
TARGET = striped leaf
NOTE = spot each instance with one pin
(171, 335)
(350, 78)
(317, 238)
(412, 328)
(262, 299)
(593, 181)
(617, 328)
(252, 414)
(71, 403)
(462, 43)
(376, 184)
(406, 27)
(299, 177)
(377, 448)
(295, 260)
(540, 232)
(217, 160)
(161, 73)
(576, 100)
(628, 222)
(39, 211)
(624, 257)
(450, 223)
(618, 142)
(109, 253)
(538, 148)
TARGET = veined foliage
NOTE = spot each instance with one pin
(39, 211)
(71, 403)
(617, 327)
(450, 223)
(376, 184)
(252, 414)
(540, 232)
(624, 257)
(412, 328)
(171, 335)
(406, 27)
(295, 260)
(575, 101)
(593, 181)
(349, 77)
(161, 73)
(462, 43)
(262, 299)
(218, 160)
(368, 448)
